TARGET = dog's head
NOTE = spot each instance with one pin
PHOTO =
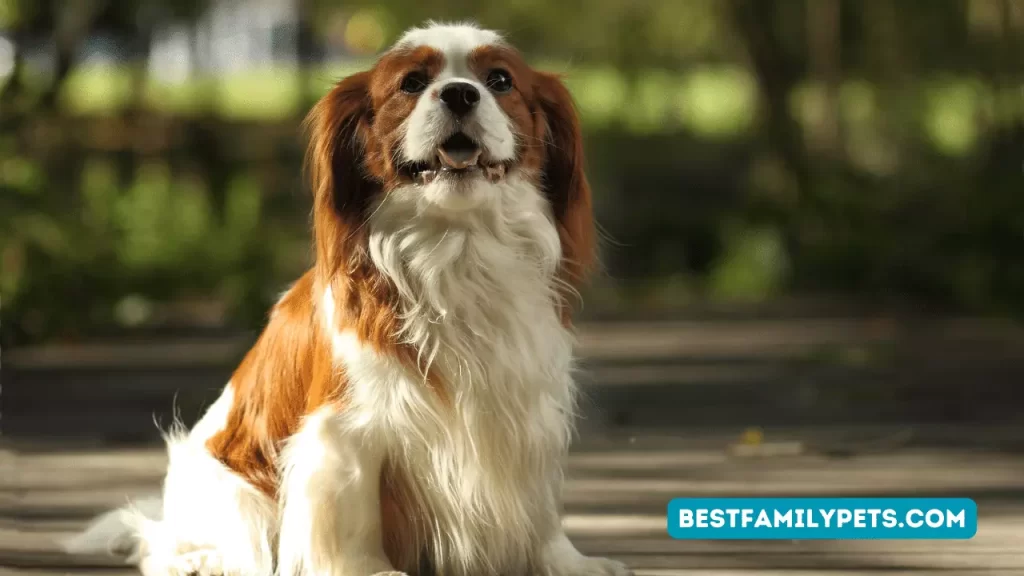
(448, 115)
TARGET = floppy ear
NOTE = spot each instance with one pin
(565, 181)
(342, 191)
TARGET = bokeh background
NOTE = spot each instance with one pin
(740, 151)
(851, 170)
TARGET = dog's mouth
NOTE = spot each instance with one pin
(457, 157)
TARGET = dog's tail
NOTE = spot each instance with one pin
(117, 532)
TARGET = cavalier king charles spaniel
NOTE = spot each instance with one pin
(408, 408)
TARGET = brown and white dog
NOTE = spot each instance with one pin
(409, 406)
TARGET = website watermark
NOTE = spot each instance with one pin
(822, 518)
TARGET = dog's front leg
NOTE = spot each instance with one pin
(330, 497)
(558, 556)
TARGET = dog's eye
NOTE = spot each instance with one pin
(414, 82)
(499, 80)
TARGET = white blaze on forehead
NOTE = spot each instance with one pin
(450, 39)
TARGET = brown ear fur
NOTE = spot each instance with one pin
(565, 180)
(342, 192)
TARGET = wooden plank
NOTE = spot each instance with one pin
(616, 495)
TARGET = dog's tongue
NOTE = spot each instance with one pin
(458, 158)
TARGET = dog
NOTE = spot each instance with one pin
(408, 408)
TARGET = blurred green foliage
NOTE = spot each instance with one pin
(740, 150)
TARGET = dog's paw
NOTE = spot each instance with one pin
(204, 562)
(580, 565)
(594, 566)
(561, 558)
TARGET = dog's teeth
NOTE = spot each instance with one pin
(495, 173)
(426, 176)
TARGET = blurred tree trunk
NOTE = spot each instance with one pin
(824, 44)
(1012, 62)
(71, 23)
(777, 76)
(888, 60)
(304, 45)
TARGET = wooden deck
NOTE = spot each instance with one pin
(616, 495)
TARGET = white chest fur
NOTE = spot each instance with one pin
(480, 305)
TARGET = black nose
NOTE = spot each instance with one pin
(460, 97)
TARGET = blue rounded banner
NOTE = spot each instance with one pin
(822, 518)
